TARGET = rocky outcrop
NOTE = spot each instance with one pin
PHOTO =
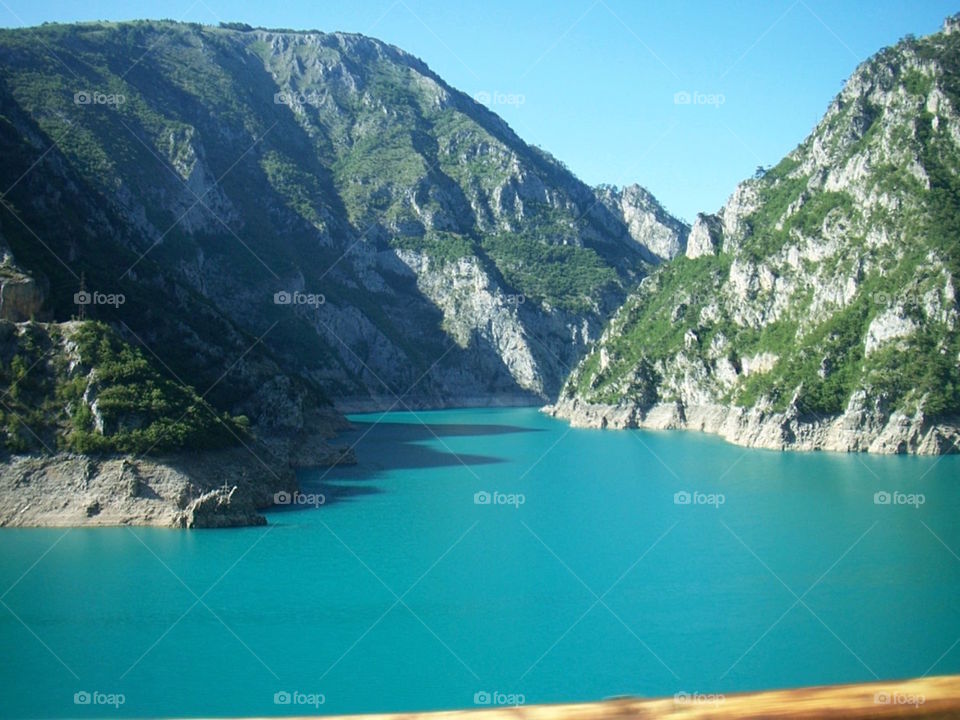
(212, 489)
(890, 325)
(662, 236)
(221, 489)
(473, 306)
(705, 236)
(500, 328)
(21, 296)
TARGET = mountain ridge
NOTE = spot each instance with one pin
(415, 207)
(817, 309)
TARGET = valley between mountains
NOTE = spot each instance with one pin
(217, 240)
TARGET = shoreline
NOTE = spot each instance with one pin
(858, 430)
(367, 406)
(230, 488)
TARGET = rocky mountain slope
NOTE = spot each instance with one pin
(271, 227)
(818, 308)
(418, 239)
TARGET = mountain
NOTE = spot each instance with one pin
(818, 308)
(222, 237)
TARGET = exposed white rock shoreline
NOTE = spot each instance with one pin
(859, 429)
(211, 489)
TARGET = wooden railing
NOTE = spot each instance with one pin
(934, 697)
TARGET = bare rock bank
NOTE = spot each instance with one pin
(225, 488)
(861, 428)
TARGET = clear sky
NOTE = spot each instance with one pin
(594, 81)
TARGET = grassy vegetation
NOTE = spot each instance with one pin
(651, 327)
(765, 237)
(29, 398)
(442, 247)
(563, 276)
(300, 189)
(822, 370)
(114, 400)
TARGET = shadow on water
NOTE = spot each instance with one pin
(386, 445)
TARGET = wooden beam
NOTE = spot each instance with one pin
(933, 697)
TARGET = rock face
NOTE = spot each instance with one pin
(661, 236)
(474, 306)
(817, 309)
(21, 298)
(212, 489)
(705, 236)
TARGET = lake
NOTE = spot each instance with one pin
(498, 556)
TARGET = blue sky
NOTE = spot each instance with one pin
(594, 81)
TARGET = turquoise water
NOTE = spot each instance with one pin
(586, 580)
